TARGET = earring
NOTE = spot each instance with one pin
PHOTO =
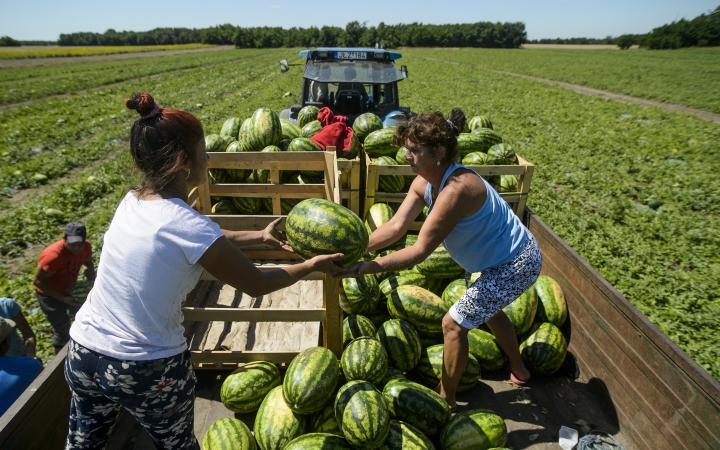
(438, 163)
(188, 175)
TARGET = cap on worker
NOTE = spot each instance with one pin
(75, 232)
(6, 326)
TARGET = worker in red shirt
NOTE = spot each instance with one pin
(56, 275)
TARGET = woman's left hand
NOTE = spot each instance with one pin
(352, 271)
(273, 237)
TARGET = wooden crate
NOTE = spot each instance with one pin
(524, 171)
(265, 257)
(351, 184)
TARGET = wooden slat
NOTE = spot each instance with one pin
(222, 356)
(254, 315)
(246, 223)
(332, 328)
(207, 276)
(203, 204)
(266, 190)
(270, 254)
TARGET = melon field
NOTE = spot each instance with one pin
(634, 190)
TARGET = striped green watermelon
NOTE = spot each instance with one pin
(238, 175)
(319, 441)
(417, 405)
(377, 215)
(81, 290)
(320, 227)
(453, 292)
(544, 349)
(391, 374)
(477, 159)
(324, 421)
(286, 204)
(423, 309)
(506, 183)
(479, 122)
(247, 205)
(355, 326)
(284, 144)
(401, 342)
(521, 311)
(362, 414)
(307, 115)
(404, 436)
(400, 156)
(488, 138)
(365, 124)
(262, 176)
(303, 144)
(244, 133)
(440, 265)
(275, 423)
(503, 154)
(428, 340)
(378, 316)
(430, 367)
(435, 285)
(403, 278)
(469, 143)
(228, 434)
(478, 429)
(244, 390)
(310, 380)
(379, 143)
(389, 183)
(215, 143)
(359, 295)
(265, 129)
(290, 130)
(311, 128)
(231, 127)
(551, 305)
(485, 349)
(403, 242)
(364, 359)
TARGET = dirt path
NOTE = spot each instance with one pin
(670, 107)
(34, 62)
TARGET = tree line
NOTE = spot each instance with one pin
(702, 31)
(481, 34)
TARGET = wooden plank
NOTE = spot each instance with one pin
(207, 276)
(203, 204)
(266, 190)
(222, 356)
(270, 254)
(332, 328)
(246, 223)
(255, 315)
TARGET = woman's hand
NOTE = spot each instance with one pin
(324, 263)
(273, 237)
(352, 271)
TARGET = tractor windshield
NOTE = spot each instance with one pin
(352, 72)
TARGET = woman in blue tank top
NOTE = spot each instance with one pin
(480, 232)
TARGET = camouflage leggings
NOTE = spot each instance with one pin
(159, 393)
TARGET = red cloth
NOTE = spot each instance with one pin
(66, 266)
(334, 132)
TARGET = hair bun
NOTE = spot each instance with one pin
(143, 103)
(457, 117)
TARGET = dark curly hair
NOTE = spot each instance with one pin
(161, 141)
(434, 130)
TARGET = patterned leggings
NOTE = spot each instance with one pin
(497, 287)
(159, 393)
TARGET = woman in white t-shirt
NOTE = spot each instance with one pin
(127, 348)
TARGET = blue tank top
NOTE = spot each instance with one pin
(489, 238)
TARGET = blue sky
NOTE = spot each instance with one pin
(46, 19)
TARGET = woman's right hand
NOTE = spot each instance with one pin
(324, 263)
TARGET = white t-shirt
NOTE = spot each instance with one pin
(147, 266)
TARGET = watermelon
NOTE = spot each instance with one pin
(404, 242)
(403, 278)
(237, 175)
(290, 130)
(521, 311)
(215, 143)
(400, 156)
(401, 342)
(81, 290)
(228, 434)
(391, 374)
(324, 421)
(262, 176)
(311, 128)
(440, 265)
(428, 340)
(503, 154)
(378, 316)
(430, 367)
(389, 183)
(247, 205)
(364, 359)
(355, 326)
(353, 151)
(379, 143)
(276, 424)
(479, 122)
(231, 127)
(485, 349)
(417, 405)
(320, 227)
(377, 215)
(506, 183)
(244, 390)
(487, 137)
(544, 349)
(284, 144)
(362, 415)
(435, 285)
(244, 133)
(317, 441)
(469, 143)
(307, 115)
(404, 436)
(478, 429)
(423, 309)
(303, 144)
(365, 124)
(551, 305)
(359, 295)
(453, 292)
(310, 380)
(477, 159)
(264, 129)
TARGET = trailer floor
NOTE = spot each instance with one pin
(533, 414)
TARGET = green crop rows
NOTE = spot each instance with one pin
(600, 165)
(689, 77)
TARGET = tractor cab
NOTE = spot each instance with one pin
(351, 81)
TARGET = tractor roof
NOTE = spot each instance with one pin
(345, 53)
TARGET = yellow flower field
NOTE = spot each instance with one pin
(53, 52)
